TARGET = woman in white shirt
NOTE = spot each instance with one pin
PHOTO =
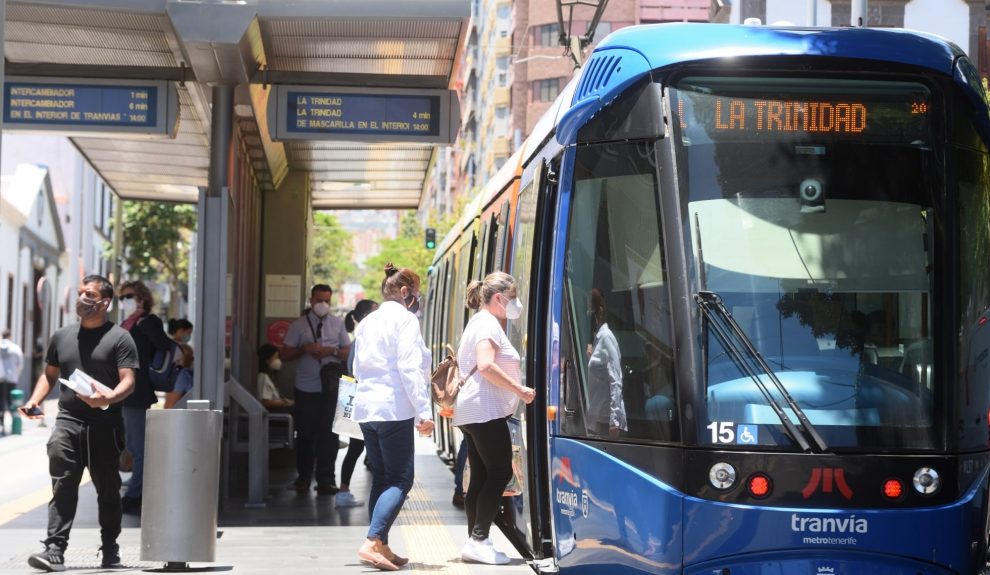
(269, 363)
(392, 399)
(483, 405)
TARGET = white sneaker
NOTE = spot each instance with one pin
(483, 552)
(346, 499)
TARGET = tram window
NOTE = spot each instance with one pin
(973, 170)
(816, 228)
(522, 259)
(616, 333)
(501, 237)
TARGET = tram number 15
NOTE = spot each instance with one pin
(722, 432)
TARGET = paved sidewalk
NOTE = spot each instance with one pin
(294, 534)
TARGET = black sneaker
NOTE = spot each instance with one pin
(327, 489)
(111, 556)
(51, 559)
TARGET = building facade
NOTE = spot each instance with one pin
(60, 212)
(514, 65)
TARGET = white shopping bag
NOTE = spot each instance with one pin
(343, 422)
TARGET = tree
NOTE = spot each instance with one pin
(157, 238)
(332, 252)
(408, 250)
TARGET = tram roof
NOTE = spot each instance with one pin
(667, 44)
(253, 44)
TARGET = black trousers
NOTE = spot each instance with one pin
(315, 440)
(73, 447)
(490, 456)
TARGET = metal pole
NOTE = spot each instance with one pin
(3, 52)
(812, 13)
(858, 17)
(211, 273)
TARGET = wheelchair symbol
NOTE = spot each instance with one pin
(747, 434)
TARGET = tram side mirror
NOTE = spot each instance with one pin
(636, 114)
(811, 195)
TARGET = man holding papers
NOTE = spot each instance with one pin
(89, 429)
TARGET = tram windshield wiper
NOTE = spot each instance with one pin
(751, 363)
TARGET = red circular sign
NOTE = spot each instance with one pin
(276, 332)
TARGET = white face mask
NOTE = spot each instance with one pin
(513, 309)
(321, 308)
(128, 306)
(275, 364)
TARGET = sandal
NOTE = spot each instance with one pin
(376, 560)
(395, 559)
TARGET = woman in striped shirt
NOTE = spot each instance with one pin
(484, 404)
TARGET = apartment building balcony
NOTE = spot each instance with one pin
(503, 46)
(501, 147)
(674, 10)
(502, 96)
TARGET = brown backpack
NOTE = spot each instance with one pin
(446, 382)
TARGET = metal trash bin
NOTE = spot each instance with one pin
(181, 485)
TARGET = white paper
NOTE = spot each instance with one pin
(83, 384)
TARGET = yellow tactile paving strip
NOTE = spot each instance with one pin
(428, 542)
(14, 509)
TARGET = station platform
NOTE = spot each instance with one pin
(294, 533)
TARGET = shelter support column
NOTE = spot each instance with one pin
(286, 223)
(211, 277)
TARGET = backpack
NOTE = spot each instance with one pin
(164, 368)
(445, 381)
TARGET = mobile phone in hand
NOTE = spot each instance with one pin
(34, 410)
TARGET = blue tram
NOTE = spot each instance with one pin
(755, 263)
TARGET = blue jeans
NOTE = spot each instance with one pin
(462, 453)
(134, 422)
(391, 456)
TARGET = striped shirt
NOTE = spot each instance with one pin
(480, 400)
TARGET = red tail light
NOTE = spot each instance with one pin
(759, 485)
(893, 489)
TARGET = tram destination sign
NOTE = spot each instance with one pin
(363, 115)
(91, 107)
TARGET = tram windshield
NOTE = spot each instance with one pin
(810, 211)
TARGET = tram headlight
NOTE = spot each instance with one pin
(926, 481)
(722, 475)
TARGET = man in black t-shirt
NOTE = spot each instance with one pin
(89, 431)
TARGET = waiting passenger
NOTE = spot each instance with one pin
(136, 305)
(355, 446)
(392, 400)
(180, 330)
(606, 409)
(269, 363)
(184, 380)
(320, 343)
(484, 404)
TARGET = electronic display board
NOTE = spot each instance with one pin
(367, 115)
(771, 109)
(90, 107)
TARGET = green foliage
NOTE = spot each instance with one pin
(332, 252)
(407, 250)
(157, 241)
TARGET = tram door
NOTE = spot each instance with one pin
(520, 333)
(616, 385)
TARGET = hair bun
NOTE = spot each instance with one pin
(390, 270)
